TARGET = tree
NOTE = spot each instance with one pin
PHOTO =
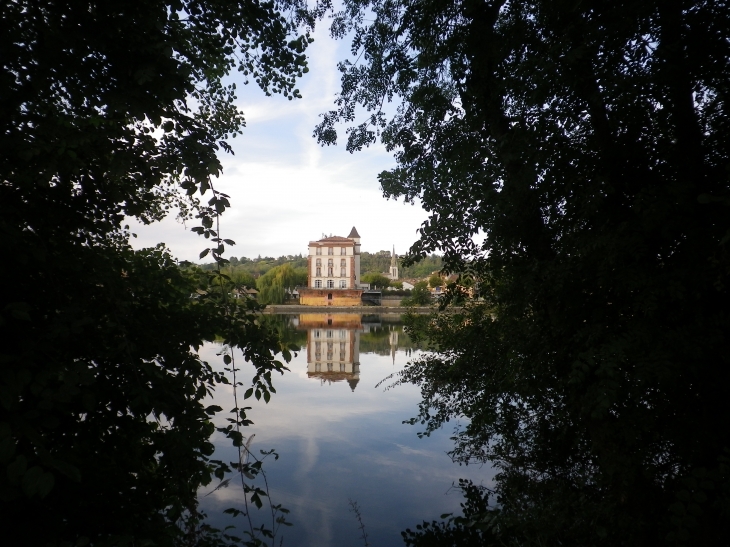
(589, 144)
(241, 279)
(376, 279)
(435, 281)
(112, 110)
(420, 295)
(275, 283)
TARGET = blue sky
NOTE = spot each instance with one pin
(287, 190)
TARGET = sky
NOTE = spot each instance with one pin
(287, 190)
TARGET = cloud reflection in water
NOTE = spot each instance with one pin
(339, 437)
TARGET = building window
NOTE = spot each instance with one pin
(343, 284)
(329, 335)
(343, 263)
(330, 285)
(318, 284)
(318, 251)
(330, 250)
(317, 367)
(319, 272)
(317, 334)
(319, 262)
(343, 250)
(329, 367)
(343, 334)
(342, 272)
(342, 367)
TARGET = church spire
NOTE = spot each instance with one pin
(393, 266)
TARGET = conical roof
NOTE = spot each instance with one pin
(353, 233)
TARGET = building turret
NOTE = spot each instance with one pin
(354, 236)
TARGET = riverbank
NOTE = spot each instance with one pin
(366, 310)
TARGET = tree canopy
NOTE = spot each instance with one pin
(375, 279)
(420, 295)
(435, 281)
(588, 144)
(275, 283)
(114, 110)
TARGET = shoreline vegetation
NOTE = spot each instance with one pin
(298, 308)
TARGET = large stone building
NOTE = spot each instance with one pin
(333, 272)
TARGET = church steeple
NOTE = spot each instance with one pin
(393, 265)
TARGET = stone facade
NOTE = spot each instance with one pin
(333, 272)
(330, 297)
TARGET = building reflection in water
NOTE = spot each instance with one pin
(333, 345)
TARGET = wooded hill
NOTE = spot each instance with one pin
(369, 262)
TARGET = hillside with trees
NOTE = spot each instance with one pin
(369, 263)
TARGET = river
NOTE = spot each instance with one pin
(340, 438)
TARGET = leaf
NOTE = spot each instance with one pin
(45, 484)
(30, 480)
(16, 469)
(7, 449)
(204, 253)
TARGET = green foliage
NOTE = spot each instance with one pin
(420, 295)
(274, 285)
(258, 266)
(374, 262)
(380, 262)
(435, 281)
(587, 145)
(422, 267)
(376, 279)
(240, 279)
(114, 110)
(474, 528)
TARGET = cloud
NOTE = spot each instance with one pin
(287, 190)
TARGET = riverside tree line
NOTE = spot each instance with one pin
(275, 278)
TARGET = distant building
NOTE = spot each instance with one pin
(333, 272)
(393, 272)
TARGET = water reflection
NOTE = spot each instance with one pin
(333, 347)
(340, 437)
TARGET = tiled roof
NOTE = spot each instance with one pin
(332, 239)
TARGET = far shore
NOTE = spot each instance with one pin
(297, 308)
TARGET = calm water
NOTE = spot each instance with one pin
(341, 438)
